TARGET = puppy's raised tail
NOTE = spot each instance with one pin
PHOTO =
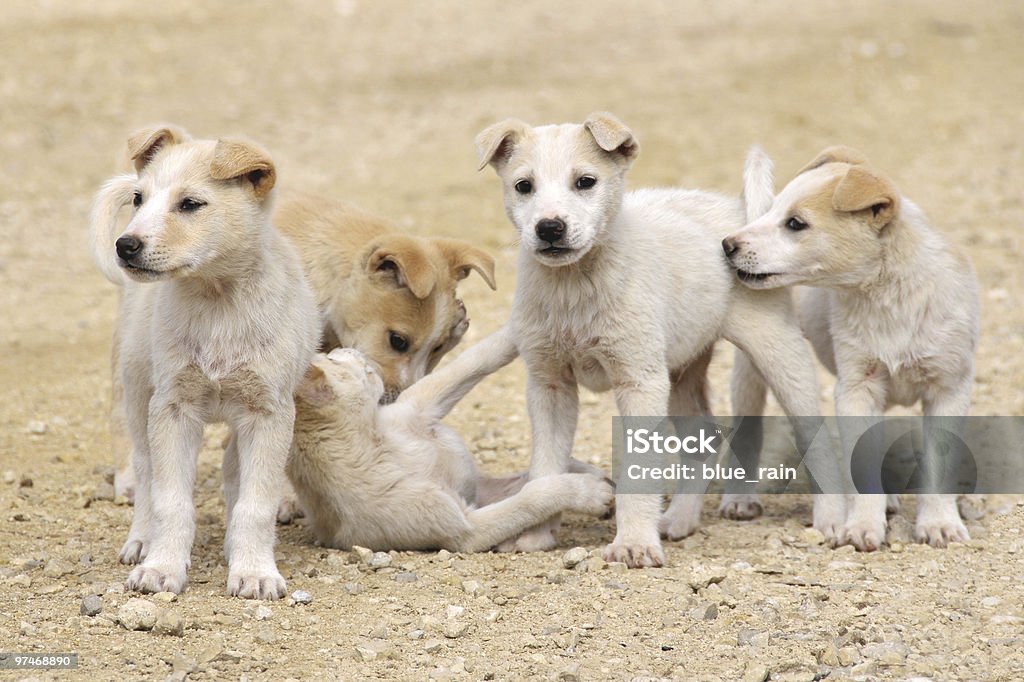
(103, 225)
(758, 183)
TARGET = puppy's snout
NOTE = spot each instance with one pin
(550, 229)
(730, 245)
(127, 247)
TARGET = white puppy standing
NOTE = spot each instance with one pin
(895, 317)
(628, 292)
(217, 323)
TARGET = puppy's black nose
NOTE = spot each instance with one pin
(127, 247)
(550, 230)
(730, 246)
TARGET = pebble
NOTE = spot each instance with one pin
(433, 645)
(362, 555)
(91, 605)
(266, 635)
(812, 536)
(365, 653)
(164, 597)
(10, 477)
(353, 588)
(379, 560)
(416, 634)
(55, 568)
(104, 491)
(705, 612)
(570, 673)
(263, 612)
(182, 663)
(749, 637)
(454, 629)
(454, 611)
(755, 672)
(137, 614)
(406, 577)
(471, 587)
(37, 427)
(302, 597)
(706, 575)
(574, 556)
(28, 630)
(989, 602)
(26, 482)
(169, 622)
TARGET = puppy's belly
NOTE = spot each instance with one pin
(590, 374)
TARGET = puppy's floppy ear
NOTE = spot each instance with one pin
(236, 158)
(495, 143)
(463, 257)
(612, 135)
(836, 154)
(144, 144)
(863, 188)
(400, 260)
(314, 388)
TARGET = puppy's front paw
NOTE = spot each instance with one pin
(677, 527)
(649, 555)
(460, 324)
(866, 535)
(829, 518)
(132, 552)
(157, 578)
(289, 510)
(593, 495)
(266, 584)
(940, 532)
(740, 507)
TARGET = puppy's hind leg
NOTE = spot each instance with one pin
(748, 389)
(688, 397)
(938, 517)
(536, 502)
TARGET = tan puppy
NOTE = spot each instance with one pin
(387, 294)
(394, 477)
(895, 316)
(216, 323)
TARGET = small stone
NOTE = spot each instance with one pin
(104, 491)
(454, 611)
(10, 477)
(91, 605)
(406, 577)
(618, 567)
(989, 602)
(379, 560)
(231, 656)
(574, 556)
(183, 664)
(365, 653)
(263, 612)
(755, 672)
(416, 634)
(353, 588)
(812, 536)
(706, 575)
(848, 656)
(593, 564)
(302, 597)
(362, 555)
(56, 568)
(433, 645)
(169, 622)
(137, 614)
(705, 612)
(829, 656)
(266, 635)
(379, 632)
(210, 653)
(27, 629)
(164, 597)
(454, 629)
(26, 482)
(471, 587)
(37, 427)
(444, 555)
(749, 637)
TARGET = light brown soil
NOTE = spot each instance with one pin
(378, 103)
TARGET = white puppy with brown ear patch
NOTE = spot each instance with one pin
(628, 291)
(895, 314)
(217, 323)
(394, 477)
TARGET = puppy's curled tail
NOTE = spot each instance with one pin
(758, 183)
(112, 197)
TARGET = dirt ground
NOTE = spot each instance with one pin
(378, 103)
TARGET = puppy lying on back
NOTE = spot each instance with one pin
(394, 477)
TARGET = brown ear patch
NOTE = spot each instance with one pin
(399, 260)
(863, 188)
(494, 144)
(236, 158)
(612, 135)
(314, 388)
(144, 144)
(464, 258)
(835, 154)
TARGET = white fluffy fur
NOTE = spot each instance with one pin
(634, 303)
(895, 314)
(216, 323)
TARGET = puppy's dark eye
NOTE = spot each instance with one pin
(585, 182)
(524, 186)
(398, 342)
(796, 224)
(188, 204)
(137, 199)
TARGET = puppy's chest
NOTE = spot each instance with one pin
(239, 388)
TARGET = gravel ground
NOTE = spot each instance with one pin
(378, 103)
